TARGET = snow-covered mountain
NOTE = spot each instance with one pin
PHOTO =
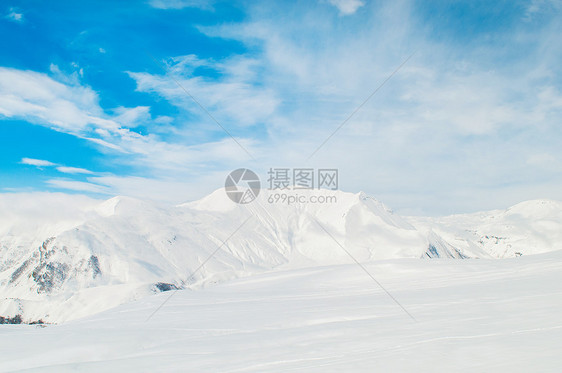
(64, 257)
(531, 227)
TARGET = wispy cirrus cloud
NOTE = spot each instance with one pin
(37, 162)
(41, 163)
(235, 97)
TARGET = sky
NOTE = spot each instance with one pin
(161, 99)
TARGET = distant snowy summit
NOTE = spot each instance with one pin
(531, 227)
(65, 256)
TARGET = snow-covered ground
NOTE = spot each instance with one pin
(482, 315)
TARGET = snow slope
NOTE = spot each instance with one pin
(472, 316)
(66, 257)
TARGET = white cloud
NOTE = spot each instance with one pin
(106, 144)
(40, 99)
(131, 117)
(171, 188)
(347, 7)
(536, 7)
(15, 15)
(73, 170)
(79, 186)
(37, 162)
(40, 163)
(235, 99)
(179, 4)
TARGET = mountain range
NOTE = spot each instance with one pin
(64, 257)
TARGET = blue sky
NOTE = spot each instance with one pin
(90, 102)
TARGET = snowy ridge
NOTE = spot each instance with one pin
(60, 264)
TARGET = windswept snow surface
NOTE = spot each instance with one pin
(472, 316)
(66, 257)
